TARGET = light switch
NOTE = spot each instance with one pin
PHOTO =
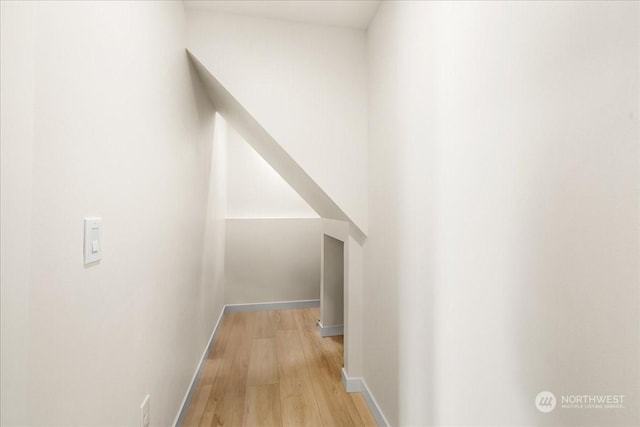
(92, 235)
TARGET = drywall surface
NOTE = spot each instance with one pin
(213, 253)
(101, 116)
(265, 145)
(353, 319)
(17, 68)
(305, 85)
(341, 13)
(332, 300)
(269, 260)
(387, 136)
(255, 190)
(503, 240)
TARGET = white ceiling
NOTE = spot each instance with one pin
(343, 13)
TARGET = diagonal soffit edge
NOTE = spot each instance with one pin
(269, 149)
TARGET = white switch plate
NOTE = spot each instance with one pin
(92, 243)
(145, 419)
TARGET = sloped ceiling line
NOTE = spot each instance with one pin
(270, 150)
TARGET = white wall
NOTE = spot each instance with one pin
(305, 84)
(332, 287)
(17, 91)
(254, 188)
(503, 240)
(101, 115)
(353, 318)
(214, 246)
(270, 260)
(273, 235)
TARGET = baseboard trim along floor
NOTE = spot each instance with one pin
(278, 305)
(230, 308)
(330, 331)
(196, 376)
(358, 385)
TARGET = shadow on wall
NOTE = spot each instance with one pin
(272, 259)
(332, 287)
(579, 332)
(203, 105)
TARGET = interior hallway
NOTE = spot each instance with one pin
(478, 161)
(273, 368)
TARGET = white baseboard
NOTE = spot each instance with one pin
(358, 385)
(196, 376)
(278, 305)
(330, 331)
(351, 385)
(230, 308)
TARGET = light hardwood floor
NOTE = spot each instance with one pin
(271, 368)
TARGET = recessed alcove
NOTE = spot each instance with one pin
(332, 287)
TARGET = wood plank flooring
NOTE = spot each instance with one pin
(272, 368)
